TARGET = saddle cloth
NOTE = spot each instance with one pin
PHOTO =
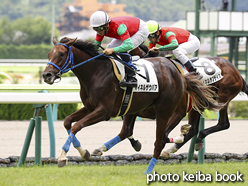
(207, 68)
(145, 68)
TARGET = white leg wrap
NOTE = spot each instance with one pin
(178, 139)
(81, 151)
(103, 148)
(172, 149)
(63, 156)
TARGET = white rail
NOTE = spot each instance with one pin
(39, 98)
(18, 93)
(56, 98)
(23, 62)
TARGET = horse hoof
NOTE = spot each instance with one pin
(96, 152)
(87, 156)
(185, 128)
(165, 154)
(62, 163)
(138, 146)
(199, 146)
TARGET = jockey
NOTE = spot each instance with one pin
(177, 40)
(128, 34)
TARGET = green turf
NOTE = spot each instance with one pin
(116, 175)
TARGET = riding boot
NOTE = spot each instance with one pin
(191, 68)
(130, 80)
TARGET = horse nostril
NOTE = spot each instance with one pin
(47, 75)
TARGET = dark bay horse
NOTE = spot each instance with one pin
(226, 89)
(102, 96)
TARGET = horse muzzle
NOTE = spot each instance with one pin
(49, 77)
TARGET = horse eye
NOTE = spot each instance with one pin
(61, 54)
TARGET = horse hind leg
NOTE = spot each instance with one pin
(161, 139)
(135, 143)
(223, 124)
(126, 132)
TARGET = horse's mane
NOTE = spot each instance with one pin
(87, 46)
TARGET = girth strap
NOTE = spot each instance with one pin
(126, 101)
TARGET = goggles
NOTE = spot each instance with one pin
(99, 29)
(152, 35)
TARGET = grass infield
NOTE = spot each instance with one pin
(120, 175)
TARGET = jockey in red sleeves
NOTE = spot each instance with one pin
(178, 40)
(127, 33)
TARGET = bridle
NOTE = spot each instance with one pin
(69, 63)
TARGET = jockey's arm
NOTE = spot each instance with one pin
(97, 43)
(98, 40)
(173, 43)
(125, 37)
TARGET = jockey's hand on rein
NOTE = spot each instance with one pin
(153, 52)
(154, 49)
(108, 51)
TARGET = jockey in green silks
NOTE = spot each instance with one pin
(177, 40)
(127, 33)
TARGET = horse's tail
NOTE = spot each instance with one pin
(245, 87)
(203, 97)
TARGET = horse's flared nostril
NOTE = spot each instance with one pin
(46, 75)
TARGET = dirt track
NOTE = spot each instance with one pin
(13, 133)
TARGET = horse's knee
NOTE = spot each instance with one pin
(67, 122)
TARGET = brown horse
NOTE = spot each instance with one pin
(102, 96)
(226, 89)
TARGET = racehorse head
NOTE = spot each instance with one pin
(59, 58)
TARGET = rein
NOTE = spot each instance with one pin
(68, 65)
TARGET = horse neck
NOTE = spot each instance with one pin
(89, 72)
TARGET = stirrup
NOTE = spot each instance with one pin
(130, 83)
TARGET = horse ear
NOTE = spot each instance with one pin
(54, 40)
(71, 42)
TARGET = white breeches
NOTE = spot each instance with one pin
(192, 45)
(137, 39)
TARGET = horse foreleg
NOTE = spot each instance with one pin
(76, 116)
(178, 139)
(62, 161)
(194, 117)
(184, 130)
(174, 120)
(92, 118)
